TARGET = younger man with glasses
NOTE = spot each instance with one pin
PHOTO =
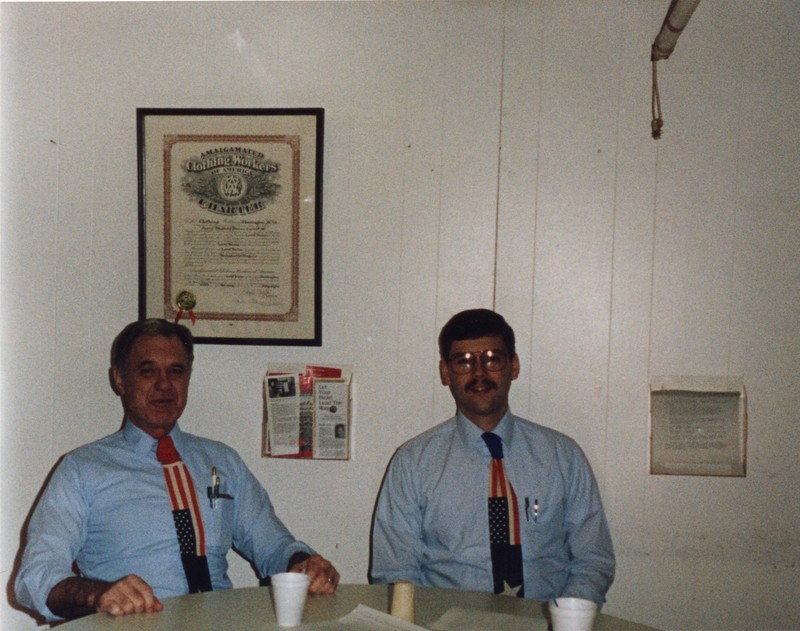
(488, 501)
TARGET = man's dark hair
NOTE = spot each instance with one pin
(121, 348)
(472, 324)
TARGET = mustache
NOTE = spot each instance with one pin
(486, 383)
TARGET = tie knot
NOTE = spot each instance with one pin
(166, 452)
(495, 445)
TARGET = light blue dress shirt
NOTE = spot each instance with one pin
(106, 508)
(431, 525)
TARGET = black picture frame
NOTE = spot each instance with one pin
(230, 222)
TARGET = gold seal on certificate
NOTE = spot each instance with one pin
(186, 301)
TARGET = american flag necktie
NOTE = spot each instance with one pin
(187, 516)
(504, 534)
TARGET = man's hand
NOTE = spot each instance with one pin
(128, 595)
(75, 596)
(324, 577)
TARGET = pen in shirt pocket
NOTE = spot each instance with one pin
(213, 491)
(535, 513)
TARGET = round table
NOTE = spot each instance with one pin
(250, 609)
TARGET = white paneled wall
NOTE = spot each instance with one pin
(476, 154)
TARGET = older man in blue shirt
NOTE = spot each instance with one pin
(107, 509)
(431, 522)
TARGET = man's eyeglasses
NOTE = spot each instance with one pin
(492, 360)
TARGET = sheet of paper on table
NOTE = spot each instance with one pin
(459, 619)
(364, 618)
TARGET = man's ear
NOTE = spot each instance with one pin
(514, 367)
(444, 374)
(115, 379)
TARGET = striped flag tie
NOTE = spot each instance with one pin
(504, 534)
(187, 516)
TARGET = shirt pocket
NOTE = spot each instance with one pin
(218, 516)
(541, 522)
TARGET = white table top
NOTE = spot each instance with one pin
(249, 609)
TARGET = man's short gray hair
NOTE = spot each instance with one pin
(153, 327)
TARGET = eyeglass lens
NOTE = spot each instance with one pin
(492, 360)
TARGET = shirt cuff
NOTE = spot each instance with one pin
(297, 557)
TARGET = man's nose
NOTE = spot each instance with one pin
(163, 380)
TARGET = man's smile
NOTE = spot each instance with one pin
(162, 401)
(480, 385)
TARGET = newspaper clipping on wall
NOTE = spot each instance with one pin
(307, 411)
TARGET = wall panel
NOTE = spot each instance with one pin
(476, 154)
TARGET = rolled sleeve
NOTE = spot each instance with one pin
(54, 536)
(259, 534)
(592, 564)
(397, 531)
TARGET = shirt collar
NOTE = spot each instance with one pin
(142, 443)
(505, 428)
(471, 434)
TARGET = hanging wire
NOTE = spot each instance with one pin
(675, 21)
(657, 123)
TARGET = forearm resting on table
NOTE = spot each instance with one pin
(76, 596)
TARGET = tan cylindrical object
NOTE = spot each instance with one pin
(403, 601)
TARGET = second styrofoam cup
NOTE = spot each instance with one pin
(572, 614)
(289, 591)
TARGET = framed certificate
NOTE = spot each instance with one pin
(230, 231)
(698, 426)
